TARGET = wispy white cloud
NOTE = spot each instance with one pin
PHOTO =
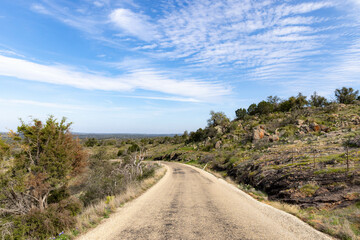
(146, 79)
(78, 19)
(264, 40)
(135, 24)
(51, 105)
(175, 99)
(40, 9)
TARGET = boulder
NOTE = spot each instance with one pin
(274, 138)
(258, 133)
(218, 144)
(299, 122)
(355, 120)
(305, 129)
(315, 127)
(219, 130)
(324, 128)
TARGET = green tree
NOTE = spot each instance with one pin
(91, 142)
(318, 101)
(346, 95)
(240, 113)
(133, 148)
(218, 118)
(300, 101)
(264, 107)
(4, 149)
(197, 136)
(47, 157)
(287, 105)
(252, 109)
(275, 100)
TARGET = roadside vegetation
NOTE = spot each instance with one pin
(54, 186)
(300, 154)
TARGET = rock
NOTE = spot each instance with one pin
(321, 191)
(305, 128)
(218, 144)
(300, 133)
(355, 120)
(219, 130)
(277, 132)
(232, 137)
(299, 122)
(258, 133)
(208, 141)
(324, 128)
(226, 145)
(315, 127)
(274, 138)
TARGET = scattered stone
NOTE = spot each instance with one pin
(219, 130)
(315, 127)
(258, 132)
(324, 128)
(218, 144)
(299, 122)
(274, 138)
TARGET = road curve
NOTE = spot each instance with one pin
(189, 203)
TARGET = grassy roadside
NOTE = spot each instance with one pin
(341, 223)
(93, 215)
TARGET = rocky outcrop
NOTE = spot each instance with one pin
(218, 144)
(258, 132)
(304, 188)
(305, 128)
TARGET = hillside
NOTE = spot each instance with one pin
(309, 157)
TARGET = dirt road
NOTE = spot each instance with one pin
(189, 203)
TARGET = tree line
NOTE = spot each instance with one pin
(275, 104)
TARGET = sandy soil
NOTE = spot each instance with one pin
(189, 203)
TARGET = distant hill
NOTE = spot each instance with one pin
(111, 135)
(120, 135)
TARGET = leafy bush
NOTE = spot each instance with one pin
(40, 224)
(346, 95)
(318, 101)
(241, 113)
(133, 148)
(120, 152)
(264, 107)
(91, 142)
(218, 119)
(47, 157)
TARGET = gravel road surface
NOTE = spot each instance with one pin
(189, 203)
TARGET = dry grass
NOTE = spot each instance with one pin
(94, 214)
(342, 223)
(292, 209)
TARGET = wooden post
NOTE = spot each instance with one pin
(314, 158)
(347, 158)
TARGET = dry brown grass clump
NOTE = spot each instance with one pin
(94, 214)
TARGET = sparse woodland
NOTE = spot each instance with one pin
(48, 178)
(300, 154)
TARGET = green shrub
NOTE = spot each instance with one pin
(91, 142)
(42, 224)
(120, 152)
(133, 148)
(58, 194)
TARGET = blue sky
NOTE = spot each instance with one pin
(142, 66)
